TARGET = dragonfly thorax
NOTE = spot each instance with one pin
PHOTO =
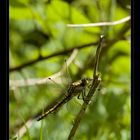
(77, 87)
(84, 82)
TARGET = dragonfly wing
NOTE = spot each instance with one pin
(74, 106)
(95, 96)
(65, 75)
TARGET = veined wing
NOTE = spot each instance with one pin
(67, 97)
(74, 89)
(65, 75)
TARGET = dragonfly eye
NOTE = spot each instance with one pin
(84, 82)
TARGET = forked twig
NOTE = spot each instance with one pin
(95, 83)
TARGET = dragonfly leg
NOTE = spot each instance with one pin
(89, 86)
(83, 94)
(78, 97)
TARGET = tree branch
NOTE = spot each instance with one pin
(126, 19)
(95, 83)
(64, 52)
(39, 81)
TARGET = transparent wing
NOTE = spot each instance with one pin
(56, 89)
(96, 94)
(65, 75)
(74, 106)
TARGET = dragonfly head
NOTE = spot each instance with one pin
(85, 81)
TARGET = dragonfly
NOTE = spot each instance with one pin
(77, 88)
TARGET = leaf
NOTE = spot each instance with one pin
(15, 13)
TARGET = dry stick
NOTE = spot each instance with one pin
(93, 88)
(40, 81)
(98, 51)
(101, 23)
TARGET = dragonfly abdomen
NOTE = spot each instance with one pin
(72, 91)
(51, 110)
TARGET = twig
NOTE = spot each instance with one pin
(95, 84)
(101, 23)
(63, 52)
(23, 129)
(93, 88)
(98, 51)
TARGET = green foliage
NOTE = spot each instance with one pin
(38, 29)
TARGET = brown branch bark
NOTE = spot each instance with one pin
(95, 83)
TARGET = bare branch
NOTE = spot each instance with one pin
(98, 51)
(126, 19)
(39, 81)
(95, 83)
(63, 52)
(23, 129)
(81, 113)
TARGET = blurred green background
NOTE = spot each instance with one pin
(38, 30)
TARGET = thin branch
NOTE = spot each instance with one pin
(23, 129)
(98, 51)
(63, 52)
(81, 113)
(95, 83)
(39, 81)
(126, 19)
